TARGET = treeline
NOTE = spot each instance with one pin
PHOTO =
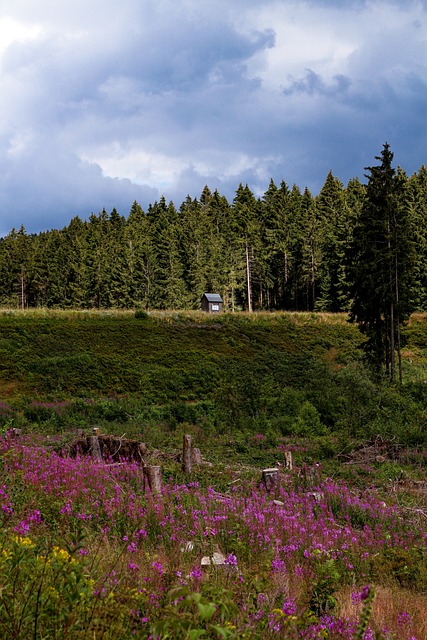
(285, 250)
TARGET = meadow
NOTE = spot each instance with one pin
(336, 549)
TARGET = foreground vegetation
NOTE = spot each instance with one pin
(88, 552)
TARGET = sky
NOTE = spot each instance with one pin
(104, 102)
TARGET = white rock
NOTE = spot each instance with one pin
(216, 558)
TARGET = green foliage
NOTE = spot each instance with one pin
(140, 314)
(326, 578)
(308, 421)
(282, 375)
(42, 589)
(192, 615)
(406, 567)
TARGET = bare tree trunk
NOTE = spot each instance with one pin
(399, 354)
(248, 278)
(285, 281)
(313, 278)
(22, 288)
(392, 346)
(387, 345)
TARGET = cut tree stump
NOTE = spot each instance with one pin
(186, 454)
(94, 448)
(270, 478)
(288, 460)
(196, 456)
(153, 474)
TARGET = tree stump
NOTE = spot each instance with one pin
(270, 478)
(196, 456)
(186, 454)
(153, 474)
(288, 460)
(142, 450)
(95, 449)
(142, 447)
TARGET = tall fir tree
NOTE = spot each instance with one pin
(381, 261)
(15, 268)
(334, 219)
(165, 228)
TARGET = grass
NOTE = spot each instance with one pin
(67, 352)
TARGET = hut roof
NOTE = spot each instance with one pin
(212, 297)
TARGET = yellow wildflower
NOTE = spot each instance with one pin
(24, 541)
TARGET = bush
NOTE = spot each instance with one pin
(140, 314)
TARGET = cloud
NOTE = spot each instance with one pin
(312, 83)
(44, 188)
(104, 103)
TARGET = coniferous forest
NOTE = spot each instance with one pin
(286, 250)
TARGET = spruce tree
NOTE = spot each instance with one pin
(381, 260)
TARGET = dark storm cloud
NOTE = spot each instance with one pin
(104, 103)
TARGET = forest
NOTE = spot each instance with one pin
(286, 250)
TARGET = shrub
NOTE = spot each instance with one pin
(140, 314)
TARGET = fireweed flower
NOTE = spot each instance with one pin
(231, 560)
(403, 618)
(365, 592)
(278, 565)
(97, 494)
(196, 573)
(22, 528)
(289, 607)
(355, 597)
(158, 566)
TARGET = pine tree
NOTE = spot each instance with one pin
(246, 228)
(15, 268)
(97, 273)
(139, 258)
(199, 252)
(333, 218)
(277, 255)
(311, 255)
(417, 186)
(381, 261)
(169, 290)
(76, 239)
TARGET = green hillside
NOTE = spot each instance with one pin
(277, 373)
(161, 357)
